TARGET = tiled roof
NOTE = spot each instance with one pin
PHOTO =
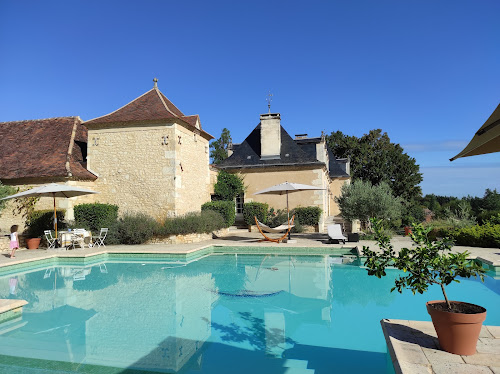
(151, 106)
(39, 149)
(247, 154)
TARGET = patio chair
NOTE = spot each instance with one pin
(51, 241)
(77, 240)
(99, 241)
(262, 227)
(335, 233)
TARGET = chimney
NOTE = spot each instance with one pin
(270, 136)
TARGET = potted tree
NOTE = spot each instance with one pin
(457, 323)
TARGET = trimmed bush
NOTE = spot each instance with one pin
(41, 220)
(251, 210)
(95, 216)
(136, 228)
(308, 215)
(225, 208)
(487, 236)
(204, 222)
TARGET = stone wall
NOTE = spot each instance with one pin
(192, 177)
(188, 238)
(335, 187)
(261, 178)
(158, 169)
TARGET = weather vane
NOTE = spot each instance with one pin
(269, 99)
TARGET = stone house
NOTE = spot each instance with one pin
(35, 152)
(149, 157)
(269, 156)
(144, 157)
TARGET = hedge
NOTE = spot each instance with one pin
(41, 220)
(136, 228)
(225, 208)
(204, 222)
(95, 216)
(251, 210)
(308, 215)
(487, 236)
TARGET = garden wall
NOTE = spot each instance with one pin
(188, 238)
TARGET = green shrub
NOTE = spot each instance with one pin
(225, 208)
(308, 215)
(41, 220)
(228, 186)
(251, 210)
(494, 219)
(487, 236)
(492, 216)
(95, 216)
(136, 228)
(280, 217)
(204, 222)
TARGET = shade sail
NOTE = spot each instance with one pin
(486, 139)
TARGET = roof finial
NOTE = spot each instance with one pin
(269, 99)
(156, 82)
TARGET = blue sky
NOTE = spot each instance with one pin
(427, 72)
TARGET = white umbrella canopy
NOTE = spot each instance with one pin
(52, 190)
(286, 188)
(486, 139)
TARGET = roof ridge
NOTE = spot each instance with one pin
(180, 111)
(41, 119)
(130, 102)
(165, 104)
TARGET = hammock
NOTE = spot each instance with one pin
(275, 230)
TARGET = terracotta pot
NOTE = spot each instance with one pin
(33, 243)
(407, 230)
(457, 332)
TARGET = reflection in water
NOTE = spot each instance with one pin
(256, 313)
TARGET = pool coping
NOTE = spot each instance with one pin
(414, 349)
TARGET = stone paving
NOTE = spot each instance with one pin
(234, 237)
(414, 349)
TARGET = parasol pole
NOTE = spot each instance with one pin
(55, 213)
(288, 215)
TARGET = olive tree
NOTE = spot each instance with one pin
(363, 200)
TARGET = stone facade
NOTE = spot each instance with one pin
(254, 181)
(158, 169)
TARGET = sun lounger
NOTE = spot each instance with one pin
(264, 228)
(335, 233)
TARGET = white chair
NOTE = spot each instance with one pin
(77, 239)
(51, 241)
(335, 233)
(99, 241)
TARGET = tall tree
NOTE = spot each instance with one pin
(375, 159)
(218, 148)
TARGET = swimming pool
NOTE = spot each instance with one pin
(221, 313)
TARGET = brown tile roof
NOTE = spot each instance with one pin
(39, 149)
(151, 106)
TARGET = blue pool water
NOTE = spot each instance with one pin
(220, 314)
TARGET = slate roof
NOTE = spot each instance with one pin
(247, 154)
(150, 107)
(39, 149)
